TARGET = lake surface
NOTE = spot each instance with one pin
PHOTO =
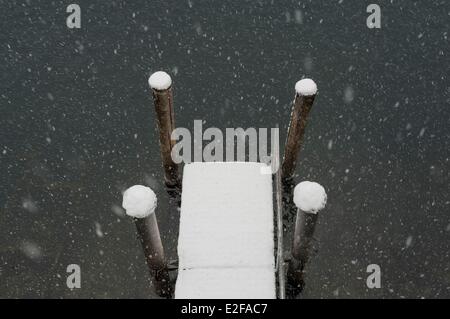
(77, 127)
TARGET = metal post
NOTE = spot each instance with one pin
(310, 198)
(161, 85)
(305, 225)
(306, 91)
(149, 236)
(140, 203)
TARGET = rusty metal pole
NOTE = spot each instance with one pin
(161, 85)
(305, 94)
(310, 198)
(149, 236)
(305, 225)
(140, 203)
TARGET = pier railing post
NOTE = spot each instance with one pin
(305, 94)
(140, 203)
(310, 198)
(161, 85)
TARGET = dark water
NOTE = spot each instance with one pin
(77, 127)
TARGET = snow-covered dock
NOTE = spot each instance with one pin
(226, 240)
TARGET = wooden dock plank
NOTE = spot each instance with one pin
(226, 231)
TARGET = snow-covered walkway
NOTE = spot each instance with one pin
(226, 240)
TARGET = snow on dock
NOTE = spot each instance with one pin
(226, 283)
(226, 240)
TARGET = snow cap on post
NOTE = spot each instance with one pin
(139, 201)
(306, 87)
(160, 81)
(310, 197)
